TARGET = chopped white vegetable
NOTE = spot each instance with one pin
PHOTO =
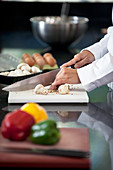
(39, 89)
(63, 89)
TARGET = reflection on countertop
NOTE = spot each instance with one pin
(97, 117)
(100, 119)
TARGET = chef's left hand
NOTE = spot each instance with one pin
(66, 75)
(81, 59)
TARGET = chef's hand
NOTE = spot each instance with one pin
(65, 75)
(80, 59)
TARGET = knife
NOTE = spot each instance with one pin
(55, 152)
(30, 83)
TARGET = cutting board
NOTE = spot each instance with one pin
(71, 138)
(77, 94)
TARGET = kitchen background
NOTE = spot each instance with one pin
(15, 27)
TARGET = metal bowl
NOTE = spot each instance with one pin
(55, 31)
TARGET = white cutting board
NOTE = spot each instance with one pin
(77, 94)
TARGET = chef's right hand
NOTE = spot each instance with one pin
(65, 75)
(83, 58)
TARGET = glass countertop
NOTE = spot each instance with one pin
(97, 116)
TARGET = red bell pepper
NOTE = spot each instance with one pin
(16, 125)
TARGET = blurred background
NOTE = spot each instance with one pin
(15, 26)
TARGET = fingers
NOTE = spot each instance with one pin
(81, 63)
(69, 63)
(83, 59)
(75, 61)
(79, 60)
(53, 87)
(60, 79)
(56, 83)
(66, 75)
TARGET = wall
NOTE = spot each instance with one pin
(16, 15)
(15, 27)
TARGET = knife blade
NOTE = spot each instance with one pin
(54, 152)
(30, 83)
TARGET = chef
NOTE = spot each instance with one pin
(94, 65)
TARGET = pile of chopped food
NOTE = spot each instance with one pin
(22, 70)
(62, 89)
(31, 64)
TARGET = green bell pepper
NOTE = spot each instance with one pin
(45, 133)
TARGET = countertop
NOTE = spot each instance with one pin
(97, 115)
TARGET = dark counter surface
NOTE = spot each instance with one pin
(97, 115)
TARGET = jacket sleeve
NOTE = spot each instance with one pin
(99, 49)
(98, 73)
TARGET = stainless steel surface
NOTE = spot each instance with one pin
(51, 29)
(64, 11)
(30, 83)
(8, 62)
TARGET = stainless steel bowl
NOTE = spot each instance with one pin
(55, 31)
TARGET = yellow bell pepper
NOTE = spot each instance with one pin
(37, 111)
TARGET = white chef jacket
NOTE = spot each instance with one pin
(99, 72)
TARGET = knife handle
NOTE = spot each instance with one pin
(70, 153)
(54, 152)
(72, 66)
